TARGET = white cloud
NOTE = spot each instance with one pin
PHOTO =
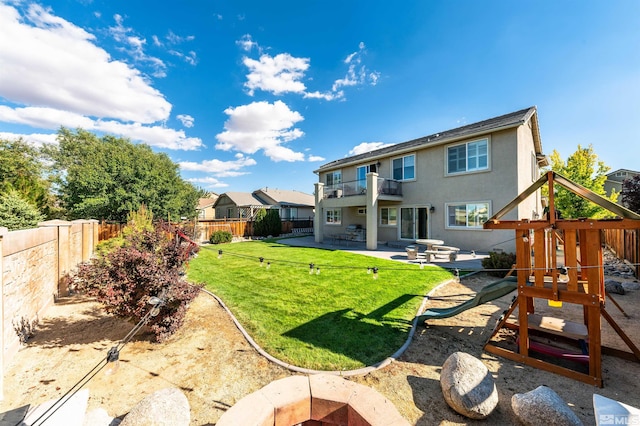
(53, 75)
(47, 61)
(186, 120)
(220, 168)
(50, 118)
(36, 139)
(315, 158)
(357, 74)
(261, 126)
(368, 147)
(246, 43)
(278, 74)
(134, 47)
(209, 182)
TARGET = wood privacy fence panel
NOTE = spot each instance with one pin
(625, 243)
(33, 263)
(240, 228)
(109, 230)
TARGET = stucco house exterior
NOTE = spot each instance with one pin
(291, 205)
(615, 180)
(443, 186)
(205, 207)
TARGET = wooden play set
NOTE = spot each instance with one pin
(573, 274)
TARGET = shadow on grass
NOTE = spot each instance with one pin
(365, 338)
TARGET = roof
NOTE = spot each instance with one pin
(203, 203)
(242, 198)
(502, 122)
(627, 171)
(285, 197)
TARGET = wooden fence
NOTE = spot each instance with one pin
(237, 227)
(625, 243)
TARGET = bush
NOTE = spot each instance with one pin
(219, 237)
(149, 264)
(18, 213)
(267, 222)
(499, 263)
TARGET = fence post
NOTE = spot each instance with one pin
(3, 232)
(64, 251)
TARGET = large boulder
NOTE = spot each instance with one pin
(166, 407)
(543, 407)
(467, 386)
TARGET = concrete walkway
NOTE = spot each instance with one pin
(466, 260)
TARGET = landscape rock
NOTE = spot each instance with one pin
(543, 407)
(613, 286)
(631, 285)
(166, 407)
(467, 386)
(100, 417)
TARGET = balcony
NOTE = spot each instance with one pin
(386, 187)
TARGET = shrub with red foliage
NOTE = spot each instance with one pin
(149, 264)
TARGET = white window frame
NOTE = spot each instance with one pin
(362, 211)
(336, 179)
(404, 167)
(333, 216)
(467, 206)
(389, 221)
(466, 158)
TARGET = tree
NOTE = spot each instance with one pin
(584, 168)
(267, 222)
(22, 170)
(108, 177)
(16, 212)
(631, 193)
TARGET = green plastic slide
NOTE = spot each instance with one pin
(488, 293)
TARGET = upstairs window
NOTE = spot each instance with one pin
(334, 179)
(468, 157)
(404, 168)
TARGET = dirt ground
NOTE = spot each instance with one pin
(214, 365)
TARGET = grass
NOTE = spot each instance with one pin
(339, 319)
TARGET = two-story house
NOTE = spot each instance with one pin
(443, 186)
(616, 179)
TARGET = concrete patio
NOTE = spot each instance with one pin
(465, 260)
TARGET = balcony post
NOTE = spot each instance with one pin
(372, 211)
(318, 221)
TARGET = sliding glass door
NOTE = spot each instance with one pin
(414, 223)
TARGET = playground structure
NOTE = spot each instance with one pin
(574, 275)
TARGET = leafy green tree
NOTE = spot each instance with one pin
(22, 170)
(16, 212)
(631, 193)
(108, 177)
(584, 168)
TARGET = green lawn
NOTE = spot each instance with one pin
(339, 319)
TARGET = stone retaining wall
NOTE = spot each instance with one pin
(32, 263)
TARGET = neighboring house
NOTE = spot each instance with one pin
(442, 186)
(292, 205)
(205, 207)
(237, 205)
(244, 205)
(616, 179)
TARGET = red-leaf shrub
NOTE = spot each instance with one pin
(149, 264)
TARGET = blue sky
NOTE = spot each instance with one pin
(248, 94)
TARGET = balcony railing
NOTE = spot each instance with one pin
(359, 187)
